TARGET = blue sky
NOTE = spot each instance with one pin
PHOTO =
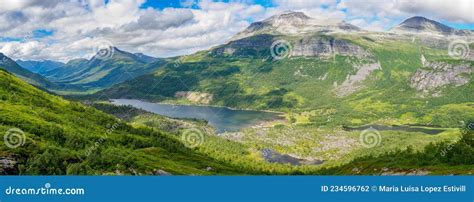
(160, 4)
(182, 3)
(67, 29)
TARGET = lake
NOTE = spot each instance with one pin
(429, 131)
(223, 119)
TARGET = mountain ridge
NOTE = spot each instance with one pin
(107, 67)
(11, 66)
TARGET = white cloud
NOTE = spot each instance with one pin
(78, 24)
(454, 10)
(461, 11)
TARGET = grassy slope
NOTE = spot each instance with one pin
(437, 159)
(59, 133)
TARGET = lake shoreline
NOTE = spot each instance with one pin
(204, 105)
(224, 119)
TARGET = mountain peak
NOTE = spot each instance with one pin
(112, 52)
(420, 24)
(295, 23)
(288, 18)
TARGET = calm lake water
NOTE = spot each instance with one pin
(222, 118)
(428, 131)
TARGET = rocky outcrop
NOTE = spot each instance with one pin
(250, 47)
(353, 83)
(161, 172)
(8, 166)
(308, 46)
(196, 97)
(324, 46)
(273, 156)
(439, 74)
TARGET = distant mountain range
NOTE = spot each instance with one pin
(308, 37)
(40, 67)
(11, 66)
(98, 72)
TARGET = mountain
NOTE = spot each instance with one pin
(310, 69)
(420, 24)
(40, 67)
(102, 71)
(10, 65)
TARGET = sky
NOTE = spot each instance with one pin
(62, 30)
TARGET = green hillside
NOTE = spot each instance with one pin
(63, 137)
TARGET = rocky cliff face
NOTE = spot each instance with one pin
(249, 46)
(439, 74)
(195, 97)
(306, 46)
(353, 83)
(8, 165)
(327, 46)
